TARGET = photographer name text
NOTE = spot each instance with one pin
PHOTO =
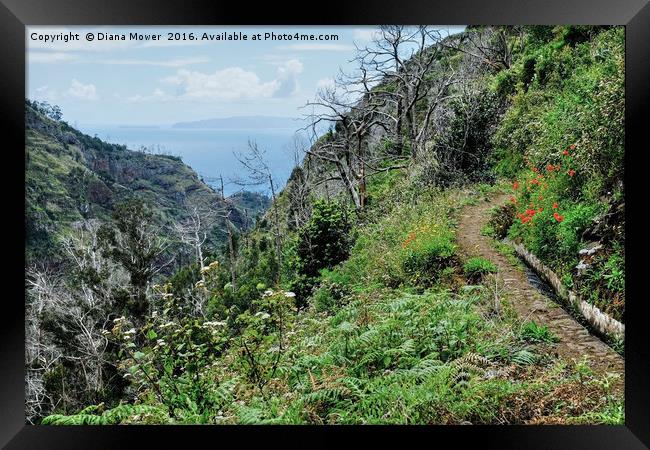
(180, 36)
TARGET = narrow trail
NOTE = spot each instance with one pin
(575, 340)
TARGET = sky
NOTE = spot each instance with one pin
(160, 82)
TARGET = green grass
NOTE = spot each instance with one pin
(476, 268)
(532, 332)
(393, 335)
(369, 353)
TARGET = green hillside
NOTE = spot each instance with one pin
(377, 287)
(71, 176)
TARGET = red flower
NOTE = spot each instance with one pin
(555, 205)
(516, 185)
(550, 168)
(513, 200)
(565, 152)
(525, 219)
(535, 169)
(571, 172)
(572, 146)
(558, 217)
(535, 181)
(540, 209)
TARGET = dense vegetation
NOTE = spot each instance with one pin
(566, 126)
(349, 301)
(71, 177)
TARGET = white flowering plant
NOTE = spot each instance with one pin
(263, 331)
(168, 357)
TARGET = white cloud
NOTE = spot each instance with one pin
(50, 57)
(235, 83)
(325, 83)
(45, 93)
(82, 91)
(288, 78)
(365, 34)
(318, 47)
(77, 90)
(162, 63)
(157, 95)
(227, 84)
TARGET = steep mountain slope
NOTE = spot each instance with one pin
(71, 176)
(355, 299)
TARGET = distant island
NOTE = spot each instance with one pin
(243, 122)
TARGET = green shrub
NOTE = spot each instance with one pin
(532, 332)
(330, 295)
(505, 83)
(577, 219)
(425, 260)
(325, 240)
(476, 268)
(409, 243)
(614, 273)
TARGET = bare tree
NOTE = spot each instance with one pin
(345, 147)
(488, 45)
(397, 66)
(65, 320)
(194, 228)
(299, 186)
(40, 353)
(397, 88)
(259, 173)
(224, 213)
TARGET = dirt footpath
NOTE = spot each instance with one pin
(575, 341)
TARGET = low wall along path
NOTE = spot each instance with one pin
(575, 340)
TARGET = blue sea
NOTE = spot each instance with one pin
(210, 152)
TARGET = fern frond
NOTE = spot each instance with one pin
(472, 358)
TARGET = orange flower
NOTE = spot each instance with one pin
(555, 205)
(411, 237)
(571, 172)
(513, 200)
(565, 152)
(558, 217)
(516, 185)
(572, 146)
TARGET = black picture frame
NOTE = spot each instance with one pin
(16, 14)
